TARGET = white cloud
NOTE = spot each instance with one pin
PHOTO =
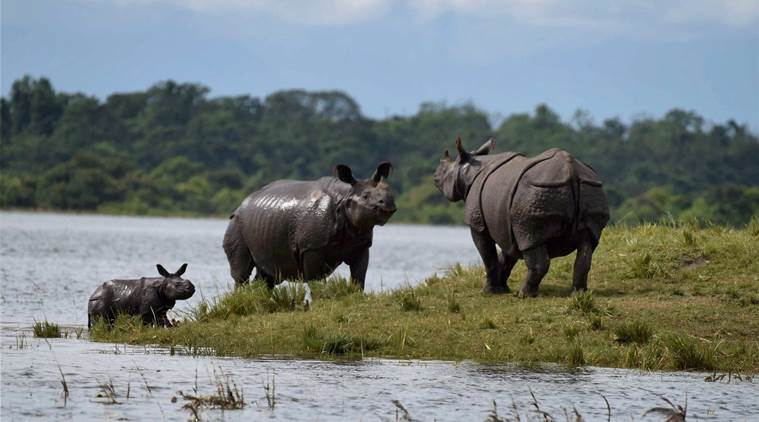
(608, 15)
(313, 12)
(600, 13)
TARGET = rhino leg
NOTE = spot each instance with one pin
(313, 265)
(537, 262)
(268, 278)
(583, 260)
(240, 261)
(358, 265)
(495, 281)
(506, 263)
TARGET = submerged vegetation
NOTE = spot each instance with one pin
(46, 329)
(683, 307)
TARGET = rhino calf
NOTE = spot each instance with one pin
(293, 229)
(148, 297)
(533, 208)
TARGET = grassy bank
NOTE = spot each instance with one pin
(662, 297)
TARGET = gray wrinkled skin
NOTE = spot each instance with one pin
(533, 208)
(148, 297)
(293, 229)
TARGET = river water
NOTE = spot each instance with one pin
(51, 263)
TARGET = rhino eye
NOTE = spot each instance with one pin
(365, 195)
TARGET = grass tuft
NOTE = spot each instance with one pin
(633, 332)
(583, 303)
(46, 329)
(454, 306)
(408, 299)
(287, 298)
(334, 288)
(336, 343)
(575, 354)
(227, 396)
(688, 353)
(487, 324)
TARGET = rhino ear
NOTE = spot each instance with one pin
(383, 171)
(181, 270)
(486, 148)
(345, 174)
(446, 156)
(162, 270)
(463, 154)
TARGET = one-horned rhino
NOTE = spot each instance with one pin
(534, 208)
(148, 297)
(292, 229)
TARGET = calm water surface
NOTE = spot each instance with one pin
(49, 265)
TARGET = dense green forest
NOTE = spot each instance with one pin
(172, 149)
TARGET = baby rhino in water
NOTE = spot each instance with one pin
(148, 297)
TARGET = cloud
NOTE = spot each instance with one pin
(307, 12)
(600, 14)
(585, 14)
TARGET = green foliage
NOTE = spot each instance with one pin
(688, 353)
(46, 329)
(575, 354)
(583, 302)
(337, 343)
(408, 299)
(633, 332)
(172, 150)
(333, 288)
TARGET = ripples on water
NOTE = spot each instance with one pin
(50, 264)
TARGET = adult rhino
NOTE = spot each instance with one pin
(534, 208)
(305, 229)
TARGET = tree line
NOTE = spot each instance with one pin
(174, 150)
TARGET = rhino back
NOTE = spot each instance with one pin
(557, 197)
(118, 295)
(283, 219)
(527, 201)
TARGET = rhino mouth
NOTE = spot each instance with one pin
(384, 214)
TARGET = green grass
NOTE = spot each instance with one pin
(46, 329)
(660, 299)
(633, 332)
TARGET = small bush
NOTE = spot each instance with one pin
(46, 329)
(633, 332)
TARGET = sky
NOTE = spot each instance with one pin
(625, 59)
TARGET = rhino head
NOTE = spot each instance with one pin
(173, 286)
(370, 201)
(453, 177)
